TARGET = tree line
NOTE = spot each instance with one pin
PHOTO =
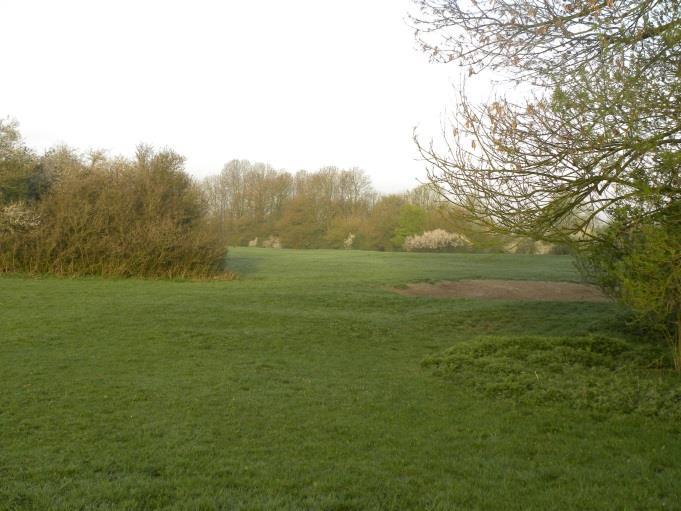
(256, 204)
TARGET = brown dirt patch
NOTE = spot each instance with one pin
(507, 290)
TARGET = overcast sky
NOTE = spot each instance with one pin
(296, 83)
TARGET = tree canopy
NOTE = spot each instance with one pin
(600, 129)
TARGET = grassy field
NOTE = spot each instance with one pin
(301, 386)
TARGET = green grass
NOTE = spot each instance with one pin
(301, 386)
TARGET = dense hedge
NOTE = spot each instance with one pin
(113, 217)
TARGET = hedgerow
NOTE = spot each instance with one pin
(112, 217)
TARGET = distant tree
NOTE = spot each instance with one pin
(412, 220)
(425, 196)
(300, 225)
(345, 228)
(326, 208)
(247, 198)
(383, 220)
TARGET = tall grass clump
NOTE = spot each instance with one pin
(592, 372)
(112, 217)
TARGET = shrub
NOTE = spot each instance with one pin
(639, 263)
(590, 372)
(436, 240)
(349, 241)
(17, 217)
(117, 218)
(17, 165)
(272, 242)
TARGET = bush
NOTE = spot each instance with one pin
(272, 242)
(591, 372)
(639, 263)
(18, 169)
(17, 217)
(117, 218)
(349, 241)
(437, 240)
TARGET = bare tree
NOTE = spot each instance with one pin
(601, 129)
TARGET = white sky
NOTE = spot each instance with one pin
(295, 83)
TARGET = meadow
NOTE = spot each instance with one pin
(307, 384)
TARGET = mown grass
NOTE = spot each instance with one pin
(301, 386)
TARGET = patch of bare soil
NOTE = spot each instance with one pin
(507, 290)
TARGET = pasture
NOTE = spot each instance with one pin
(301, 386)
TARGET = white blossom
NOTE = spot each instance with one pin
(17, 217)
(438, 239)
(347, 244)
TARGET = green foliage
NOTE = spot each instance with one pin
(412, 220)
(596, 372)
(639, 262)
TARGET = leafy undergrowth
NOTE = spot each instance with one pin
(592, 372)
